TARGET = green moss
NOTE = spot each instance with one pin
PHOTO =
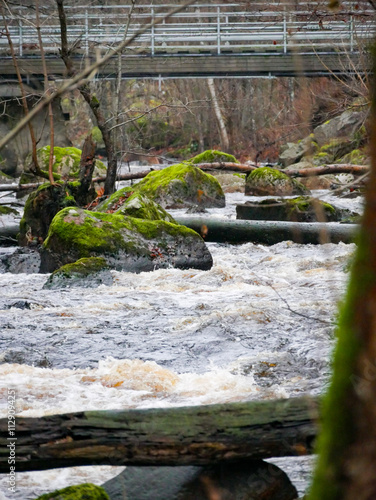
(182, 182)
(97, 232)
(116, 200)
(85, 491)
(211, 156)
(7, 210)
(97, 134)
(339, 421)
(82, 267)
(142, 207)
(355, 157)
(305, 203)
(267, 174)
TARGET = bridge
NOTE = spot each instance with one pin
(249, 39)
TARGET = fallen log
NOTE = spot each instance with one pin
(328, 169)
(236, 167)
(268, 232)
(8, 234)
(175, 436)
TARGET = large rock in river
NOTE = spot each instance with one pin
(43, 204)
(180, 186)
(127, 243)
(66, 164)
(268, 181)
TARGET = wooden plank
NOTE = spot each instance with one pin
(174, 436)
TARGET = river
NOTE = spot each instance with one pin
(258, 325)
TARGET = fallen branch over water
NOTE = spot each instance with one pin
(235, 167)
(268, 232)
(328, 169)
(175, 436)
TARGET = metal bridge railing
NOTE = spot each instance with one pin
(202, 28)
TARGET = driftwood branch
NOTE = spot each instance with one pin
(175, 436)
(268, 232)
(328, 169)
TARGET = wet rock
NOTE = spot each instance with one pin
(180, 186)
(296, 151)
(126, 243)
(128, 203)
(245, 480)
(344, 126)
(81, 492)
(267, 181)
(41, 207)
(20, 260)
(213, 156)
(66, 164)
(301, 209)
(86, 273)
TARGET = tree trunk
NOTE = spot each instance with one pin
(87, 165)
(347, 445)
(217, 110)
(175, 436)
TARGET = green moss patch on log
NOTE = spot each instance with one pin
(266, 181)
(86, 491)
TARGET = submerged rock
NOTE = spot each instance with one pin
(244, 480)
(180, 186)
(86, 273)
(267, 181)
(81, 492)
(301, 209)
(127, 243)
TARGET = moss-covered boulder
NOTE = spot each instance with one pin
(267, 181)
(129, 203)
(180, 186)
(86, 273)
(85, 491)
(347, 126)
(66, 164)
(301, 209)
(41, 207)
(127, 243)
(213, 156)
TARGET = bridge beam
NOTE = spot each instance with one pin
(208, 65)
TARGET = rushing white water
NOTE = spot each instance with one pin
(258, 325)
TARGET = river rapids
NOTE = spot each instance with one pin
(259, 325)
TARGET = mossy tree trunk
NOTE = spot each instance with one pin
(347, 445)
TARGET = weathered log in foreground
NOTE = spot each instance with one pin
(174, 436)
(268, 232)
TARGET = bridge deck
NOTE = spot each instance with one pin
(224, 39)
(184, 66)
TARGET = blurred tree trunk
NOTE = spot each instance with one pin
(347, 445)
(218, 114)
